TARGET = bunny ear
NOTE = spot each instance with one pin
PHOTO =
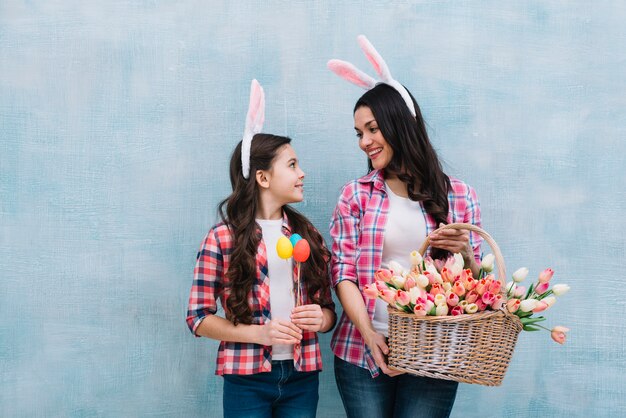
(352, 74)
(254, 123)
(256, 108)
(379, 64)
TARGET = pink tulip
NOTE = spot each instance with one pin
(558, 334)
(403, 298)
(481, 287)
(542, 288)
(488, 298)
(409, 283)
(429, 305)
(457, 310)
(370, 291)
(541, 306)
(436, 289)
(458, 288)
(419, 310)
(388, 295)
(383, 274)
(470, 283)
(471, 296)
(481, 305)
(545, 276)
(446, 275)
(520, 291)
(513, 305)
(430, 297)
(498, 303)
(495, 287)
(380, 285)
(452, 299)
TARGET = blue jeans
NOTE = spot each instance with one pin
(402, 396)
(283, 392)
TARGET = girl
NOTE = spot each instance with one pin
(269, 354)
(380, 217)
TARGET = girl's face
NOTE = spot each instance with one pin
(285, 178)
(371, 140)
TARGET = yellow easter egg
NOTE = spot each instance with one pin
(284, 248)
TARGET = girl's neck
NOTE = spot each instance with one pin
(269, 210)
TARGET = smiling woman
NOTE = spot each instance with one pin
(384, 216)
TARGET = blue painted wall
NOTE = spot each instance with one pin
(117, 120)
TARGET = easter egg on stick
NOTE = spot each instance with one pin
(301, 251)
(294, 239)
(284, 248)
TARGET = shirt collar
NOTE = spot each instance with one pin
(376, 177)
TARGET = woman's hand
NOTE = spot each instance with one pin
(377, 344)
(278, 331)
(308, 317)
(453, 240)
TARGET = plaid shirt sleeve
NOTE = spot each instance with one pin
(207, 281)
(344, 231)
(472, 216)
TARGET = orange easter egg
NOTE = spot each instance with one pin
(301, 251)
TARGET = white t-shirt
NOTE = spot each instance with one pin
(280, 274)
(405, 231)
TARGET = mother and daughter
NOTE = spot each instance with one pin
(269, 354)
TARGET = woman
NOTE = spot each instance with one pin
(380, 217)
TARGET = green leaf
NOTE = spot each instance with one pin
(529, 321)
(531, 328)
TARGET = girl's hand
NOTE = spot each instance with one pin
(278, 331)
(308, 317)
(377, 344)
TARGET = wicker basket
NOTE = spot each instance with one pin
(470, 348)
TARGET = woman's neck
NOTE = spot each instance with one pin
(397, 186)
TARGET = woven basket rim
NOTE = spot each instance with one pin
(456, 318)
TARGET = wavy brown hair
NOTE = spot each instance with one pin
(414, 160)
(238, 212)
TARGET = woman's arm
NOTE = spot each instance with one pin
(354, 306)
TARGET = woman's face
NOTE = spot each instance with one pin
(371, 140)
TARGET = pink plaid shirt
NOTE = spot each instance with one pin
(210, 284)
(357, 229)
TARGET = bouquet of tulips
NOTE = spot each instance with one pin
(440, 288)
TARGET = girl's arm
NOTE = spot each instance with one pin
(353, 305)
(313, 318)
(273, 332)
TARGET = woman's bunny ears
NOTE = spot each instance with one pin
(254, 124)
(349, 72)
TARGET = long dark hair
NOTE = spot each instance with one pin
(238, 212)
(414, 160)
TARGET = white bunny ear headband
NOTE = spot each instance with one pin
(254, 124)
(349, 72)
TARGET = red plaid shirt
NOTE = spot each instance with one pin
(210, 284)
(357, 229)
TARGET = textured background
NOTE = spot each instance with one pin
(117, 120)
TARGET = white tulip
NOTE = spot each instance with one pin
(520, 274)
(487, 263)
(396, 268)
(560, 289)
(549, 300)
(416, 258)
(528, 305)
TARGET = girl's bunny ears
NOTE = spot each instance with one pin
(349, 72)
(254, 124)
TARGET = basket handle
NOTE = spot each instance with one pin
(496, 250)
